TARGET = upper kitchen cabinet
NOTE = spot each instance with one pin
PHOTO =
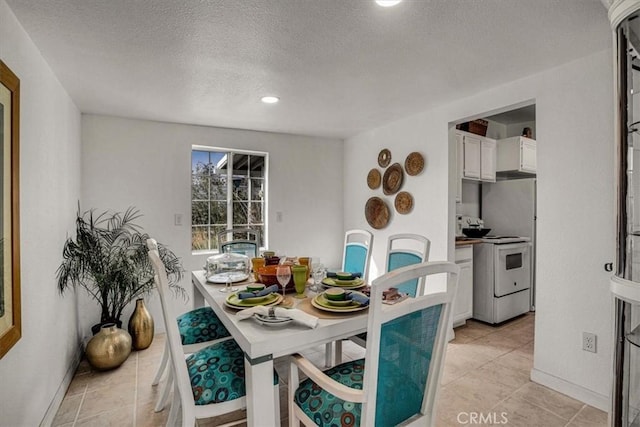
(516, 155)
(476, 157)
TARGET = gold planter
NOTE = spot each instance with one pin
(141, 326)
(109, 348)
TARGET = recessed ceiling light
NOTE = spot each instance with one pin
(388, 3)
(270, 99)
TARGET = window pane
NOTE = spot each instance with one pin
(240, 211)
(255, 213)
(218, 213)
(257, 189)
(240, 164)
(257, 166)
(219, 187)
(199, 160)
(199, 213)
(260, 230)
(200, 238)
(215, 244)
(199, 187)
(240, 188)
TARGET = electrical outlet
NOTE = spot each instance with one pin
(589, 341)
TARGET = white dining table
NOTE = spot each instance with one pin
(262, 344)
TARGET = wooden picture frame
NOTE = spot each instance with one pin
(10, 313)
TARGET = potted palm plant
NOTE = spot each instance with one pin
(108, 258)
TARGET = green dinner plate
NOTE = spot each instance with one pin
(343, 283)
(321, 303)
(251, 302)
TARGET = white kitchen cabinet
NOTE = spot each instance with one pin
(517, 154)
(476, 157)
(463, 303)
(488, 160)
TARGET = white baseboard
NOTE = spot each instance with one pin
(575, 391)
(52, 410)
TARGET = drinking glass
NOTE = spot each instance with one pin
(299, 279)
(318, 275)
(283, 274)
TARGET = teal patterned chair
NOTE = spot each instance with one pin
(209, 382)
(356, 257)
(201, 327)
(398, 380)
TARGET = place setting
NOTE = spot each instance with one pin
(255, 294)
(340, 300)
(344, 280)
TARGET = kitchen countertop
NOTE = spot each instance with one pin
(464, 241)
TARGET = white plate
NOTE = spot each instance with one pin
(222, 278)
(272, 321)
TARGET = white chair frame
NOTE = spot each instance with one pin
(182, 394)
(419, 246)
(380, 314)
(358, 238)
(354, 237)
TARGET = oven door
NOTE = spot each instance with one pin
(512, 268)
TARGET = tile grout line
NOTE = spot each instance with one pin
(576, 415)
(84, 394)
(135, 394)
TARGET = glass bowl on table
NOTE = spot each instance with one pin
(227, 268)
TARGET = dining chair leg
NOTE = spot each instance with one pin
(328, 354)
(294, 381)
(163, 365)
(172, 420)
(163, 396)
(338, 353)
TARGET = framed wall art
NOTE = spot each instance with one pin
(10, 320)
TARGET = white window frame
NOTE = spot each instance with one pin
(265, 216)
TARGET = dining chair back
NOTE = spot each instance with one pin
(408, 249)
(398, 380)
(244, 241)
(210, 382)
(356, 254)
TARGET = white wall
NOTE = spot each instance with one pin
(32, 372)
(574, 130)
(148, 164)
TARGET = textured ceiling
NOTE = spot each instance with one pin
(339, 66)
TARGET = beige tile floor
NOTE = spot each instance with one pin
(486, 376)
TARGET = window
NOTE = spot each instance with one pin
(224, 197)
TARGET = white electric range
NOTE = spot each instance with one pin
(501, 275)
(501, 278)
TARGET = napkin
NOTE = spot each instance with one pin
(363, 300)
(298, 316)
(353, 275)
(262, 293)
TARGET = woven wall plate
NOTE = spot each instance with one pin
(376, 212)
(392, 179)
(404, 202)
(414, 164)
(374, 179)
(384, 158)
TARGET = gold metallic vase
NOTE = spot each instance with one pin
(141, 326)
(109, 348)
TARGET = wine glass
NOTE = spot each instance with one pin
(318, 275)
(283, 274)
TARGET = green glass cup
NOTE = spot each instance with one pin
(299, 273)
